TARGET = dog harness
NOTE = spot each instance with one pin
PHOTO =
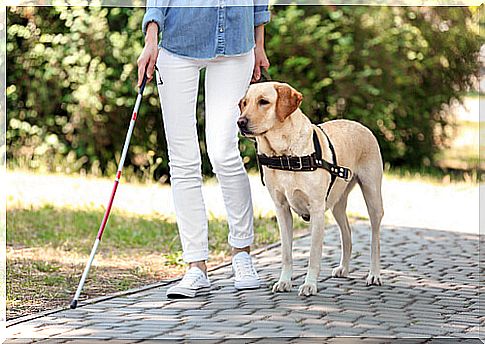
(302, 163)
(306, 163)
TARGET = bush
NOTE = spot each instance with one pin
(71, 89)
(71, 80)
(391, 68)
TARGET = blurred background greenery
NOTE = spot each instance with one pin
(71, 82)
(71, 87)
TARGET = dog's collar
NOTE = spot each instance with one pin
(306, 163)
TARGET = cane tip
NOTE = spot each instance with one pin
(73, 304)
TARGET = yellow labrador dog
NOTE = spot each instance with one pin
(270, 113)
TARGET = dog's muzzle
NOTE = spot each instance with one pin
(242, 123)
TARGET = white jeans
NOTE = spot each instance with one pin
(226, 81)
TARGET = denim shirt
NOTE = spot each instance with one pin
(205, 29)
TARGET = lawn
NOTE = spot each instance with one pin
(47, 248)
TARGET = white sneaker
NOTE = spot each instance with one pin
(245, 276)
(193, 283)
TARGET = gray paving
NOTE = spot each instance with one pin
(431, 289)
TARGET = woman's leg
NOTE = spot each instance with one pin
(178, 96)
(227, 79)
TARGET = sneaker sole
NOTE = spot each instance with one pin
(239, 285)
(180, 293)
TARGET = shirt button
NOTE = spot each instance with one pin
(221, 29)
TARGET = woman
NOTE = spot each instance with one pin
(226, 37)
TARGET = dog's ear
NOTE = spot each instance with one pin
(287, 102)
(241, 104)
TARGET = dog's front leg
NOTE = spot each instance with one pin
(317, 225)
(285, 222)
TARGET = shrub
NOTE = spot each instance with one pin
(71, 80)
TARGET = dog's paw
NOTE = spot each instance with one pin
(282, 286)
(340, 271)
(308, 289)
(373, 279)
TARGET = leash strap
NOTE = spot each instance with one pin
(260, 168)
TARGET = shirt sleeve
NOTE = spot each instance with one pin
(155, 12)
(261, 12)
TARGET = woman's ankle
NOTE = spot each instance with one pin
(199, 264)
(236, 250)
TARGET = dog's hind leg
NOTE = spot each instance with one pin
(285, 223)
(370, 185)
(340, 215)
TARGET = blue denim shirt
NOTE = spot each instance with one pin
(204, 29)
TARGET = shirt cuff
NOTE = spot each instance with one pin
(261, 17)
(153, 15)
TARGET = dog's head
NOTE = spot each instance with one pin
(266, 105)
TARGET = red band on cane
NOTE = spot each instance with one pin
(134, 116)
(118, 175)
(108, 209)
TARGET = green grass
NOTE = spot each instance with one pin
(48, 246)
(74, 230)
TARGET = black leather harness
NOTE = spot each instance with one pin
(307, 163)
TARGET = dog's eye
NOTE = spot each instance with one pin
(263, 102)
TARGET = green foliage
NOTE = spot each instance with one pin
(71, 89)
(71, 77)
(390, 68)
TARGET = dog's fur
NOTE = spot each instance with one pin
(270, 113)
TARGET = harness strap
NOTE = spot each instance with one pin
(316, 145)
(306, 163)
(334, 160)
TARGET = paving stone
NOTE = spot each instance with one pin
(430, 288)
(262, 332)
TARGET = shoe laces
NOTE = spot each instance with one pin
(192, 276)
(243, 266)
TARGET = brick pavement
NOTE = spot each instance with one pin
(431, 289)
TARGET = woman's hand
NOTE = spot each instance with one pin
(148, 57)
(260, 59)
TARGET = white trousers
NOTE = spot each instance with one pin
(226, 81)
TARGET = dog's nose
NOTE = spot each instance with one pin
(242, 122)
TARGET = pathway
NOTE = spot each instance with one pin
(430, 289)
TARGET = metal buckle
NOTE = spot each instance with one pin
(287, 161)
(301, 165)
(344, 173)
(349, 176)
